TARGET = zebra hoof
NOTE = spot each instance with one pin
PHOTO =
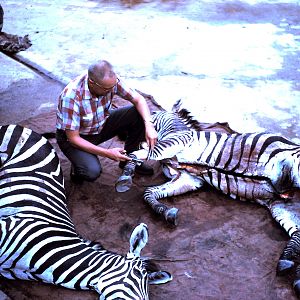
(123, 184)
(296, 286)
(284, 266)
(171, 216)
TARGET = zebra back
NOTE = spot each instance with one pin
(30, 171)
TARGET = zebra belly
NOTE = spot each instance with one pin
(245, 188)
(236, 186)
(236, 154)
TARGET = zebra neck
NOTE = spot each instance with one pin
(81, 267)
(64, 261)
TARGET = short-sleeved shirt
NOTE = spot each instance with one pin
(79, 110)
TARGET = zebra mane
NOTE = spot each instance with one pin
(186, 116)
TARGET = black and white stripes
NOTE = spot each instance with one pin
(259, 167)
(252, 166)
(38, 240)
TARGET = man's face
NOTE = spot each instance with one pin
(104, 87)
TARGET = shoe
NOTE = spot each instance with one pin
(74, 177)
(142, 169)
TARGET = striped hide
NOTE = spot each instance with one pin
(257, 167)
(38, 240)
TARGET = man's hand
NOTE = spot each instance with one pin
(150, 135)
(117, 154)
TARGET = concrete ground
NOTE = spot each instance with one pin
(24, 93)
(234, 61)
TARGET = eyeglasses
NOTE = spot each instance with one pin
(103, 88)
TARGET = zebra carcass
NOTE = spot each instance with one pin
(259, 167)
(38, 240)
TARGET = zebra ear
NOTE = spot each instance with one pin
(176, 106)
(138, 239)
(159, 277)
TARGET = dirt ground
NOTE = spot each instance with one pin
(221, 248)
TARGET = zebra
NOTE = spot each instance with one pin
(38, 240)
(258, 167)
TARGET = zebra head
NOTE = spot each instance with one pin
(128, 277)
(295, 169)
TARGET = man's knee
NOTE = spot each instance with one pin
(93, 175)
(89, 173)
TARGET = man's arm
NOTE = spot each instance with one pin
(143, 109)
(77, 141)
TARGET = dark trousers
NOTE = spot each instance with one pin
(122, 120)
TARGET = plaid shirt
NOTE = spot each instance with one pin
(79, 110)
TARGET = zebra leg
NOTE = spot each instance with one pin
(287, 214)
(182, 183)
(290, 255)
(296, 284)
(166, 148)
(289, 258)
(124, 182)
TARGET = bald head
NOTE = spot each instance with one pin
(100, 70)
